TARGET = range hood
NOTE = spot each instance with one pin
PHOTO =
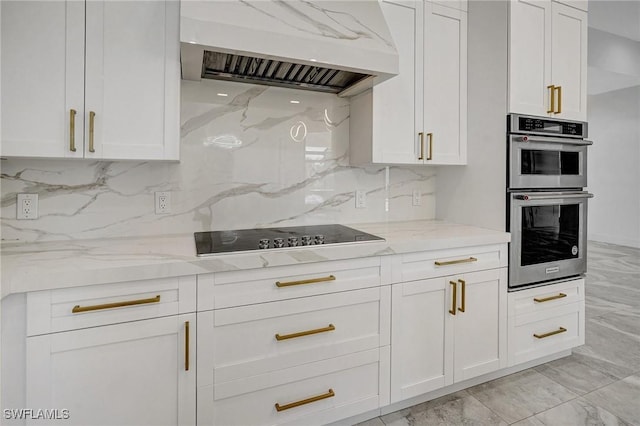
(341, 47)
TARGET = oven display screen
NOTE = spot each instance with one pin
(552, 127)
(550, 233)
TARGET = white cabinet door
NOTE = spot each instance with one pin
(421, 338)
(529, 56)
(481, 323)
(125, 374)
(42, 77)
(132, 83)
(445, 85)
(397, 102)
(569, 59)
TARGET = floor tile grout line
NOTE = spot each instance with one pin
(488, 408)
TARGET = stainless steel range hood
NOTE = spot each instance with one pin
(331, 46)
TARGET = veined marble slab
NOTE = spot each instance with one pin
(49, 265)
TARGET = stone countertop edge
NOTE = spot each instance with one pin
(63, 264)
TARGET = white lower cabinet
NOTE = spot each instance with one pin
(136, 373)
(446, 330)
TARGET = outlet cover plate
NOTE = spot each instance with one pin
(163, 202)
(416, 197)
(361, 199)
(27, 207)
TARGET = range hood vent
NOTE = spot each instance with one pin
(224, 66)
(331, 46)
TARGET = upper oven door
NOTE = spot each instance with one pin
(548, 236)
(540, 162)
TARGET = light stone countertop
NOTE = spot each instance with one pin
(61, 264)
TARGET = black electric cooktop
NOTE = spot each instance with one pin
(240, 240)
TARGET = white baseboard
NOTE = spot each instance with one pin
(612, 239)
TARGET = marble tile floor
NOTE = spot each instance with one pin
(599, 384)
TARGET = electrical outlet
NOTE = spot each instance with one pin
(163, 202)
(27, 206)
(417, 197)
(361, 199)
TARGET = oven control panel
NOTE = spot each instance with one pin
(546, 126)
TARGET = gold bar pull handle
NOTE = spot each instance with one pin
(330, 327)
(455, 262)
(92, 116)
(421, 157)
(329, 394)
(551, 333)
(464, 285)
(77, 309)
(309, 281)
(186, 346)
(547, 299)
(454, 297)
(430, 155)
(552, 99)
(559, 89)
(72, 130)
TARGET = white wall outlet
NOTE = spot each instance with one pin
(163, 202)
(361, 199)
(416, 197)
(27, 206)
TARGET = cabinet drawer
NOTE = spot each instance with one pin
(540, 299)
(51, 311)
(431, 264)
(256, 339)
(344, 386)
(237, 288)
(535, 335)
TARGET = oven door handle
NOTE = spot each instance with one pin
(547, 139)
(553, 196)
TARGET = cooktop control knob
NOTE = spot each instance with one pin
(278, 242)
(319, 239)
(293, 241)
(263, 243)
(306, 240)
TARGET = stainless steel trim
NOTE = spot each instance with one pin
(552, 196)
(550, 139)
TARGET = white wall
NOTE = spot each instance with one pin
(613, 167)
(475, 194)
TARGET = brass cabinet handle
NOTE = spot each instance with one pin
(452, 311)
(430, 155)
(547, 299)
(92, 116)
(464, 285)
(455, 262)
(72, 130)
(76, 309)
(330, 327)
(552, 100)
(309, 281)
(186, 346)
(421, 146)
(551, 333)
(559, 89)
(329, 394)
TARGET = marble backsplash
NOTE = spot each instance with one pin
(251, 156)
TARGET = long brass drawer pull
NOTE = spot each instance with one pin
(430, 155)
(547, 299)
(329, 394)
(92, 119)
(186, 346)
(559, 111)
(77, 309)
(464, 297)
(309, 281)
(72, 130)
(551, 333)
(330, 327)
(455, 262)
(421, 157)
(454, 297)
(552, 99)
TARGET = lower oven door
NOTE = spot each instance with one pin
(548, 236)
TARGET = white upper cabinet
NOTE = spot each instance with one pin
(419, 116)
(104, 86)
(547, 59)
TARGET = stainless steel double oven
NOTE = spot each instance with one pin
(546, 203)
